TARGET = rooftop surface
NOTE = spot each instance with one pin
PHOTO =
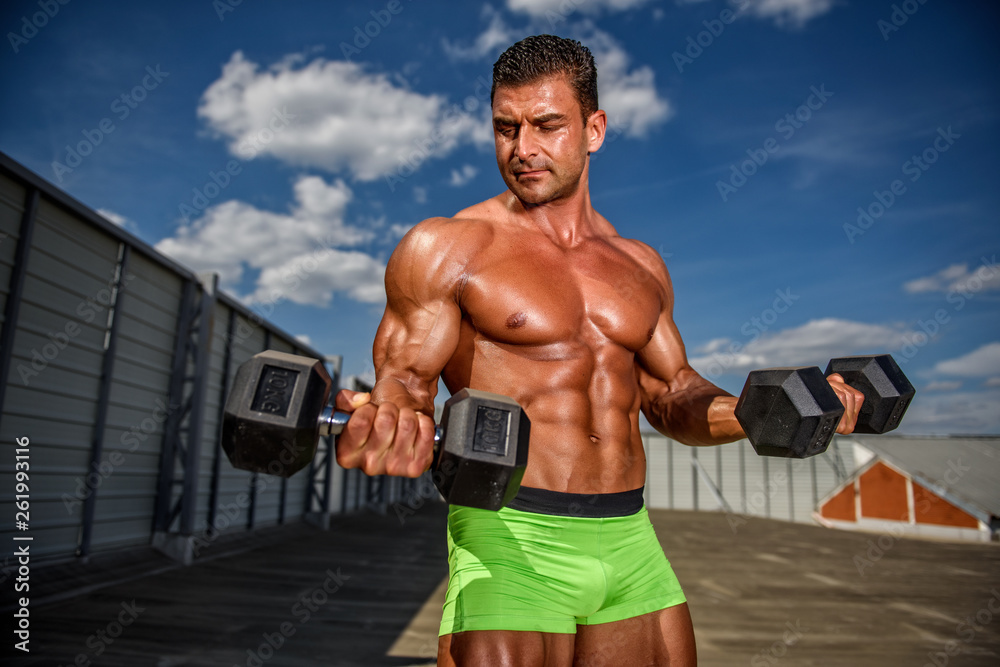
(368, 591)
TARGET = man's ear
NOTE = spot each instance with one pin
(597, 126)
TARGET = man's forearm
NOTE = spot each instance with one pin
(404, 394)
(698, 413)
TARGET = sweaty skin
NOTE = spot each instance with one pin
(534, 295)
(559, 325)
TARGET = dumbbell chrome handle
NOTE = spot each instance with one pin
(332, 422)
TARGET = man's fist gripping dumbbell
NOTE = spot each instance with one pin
(278, 409)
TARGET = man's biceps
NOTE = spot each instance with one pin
(666, 369)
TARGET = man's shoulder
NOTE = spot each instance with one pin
(438, 252)
(488, 211)
(442, 227)
(643, 253)
(470, 227)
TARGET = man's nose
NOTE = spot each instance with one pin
(526, 146)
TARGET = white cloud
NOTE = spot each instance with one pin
(628, 96)
(399, 231)
(943, 385)
(794, 13)
(546, 8)
(119, 220)
(420, 194)
(296, 253)
(490, 43)
(811, 344)
(330, 114)
(713, 345)
(460, 177)
(981, 362)
(992, 382)
(958, 278)
(113, 217)
(953, 413)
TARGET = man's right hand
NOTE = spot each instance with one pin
(384, 439)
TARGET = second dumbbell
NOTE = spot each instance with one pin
(793, 412)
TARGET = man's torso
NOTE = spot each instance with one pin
(556, 326)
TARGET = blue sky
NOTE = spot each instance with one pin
(288, 146)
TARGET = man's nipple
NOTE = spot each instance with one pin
(517, 320)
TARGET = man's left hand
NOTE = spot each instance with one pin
(852, 400)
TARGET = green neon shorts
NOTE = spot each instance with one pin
(517, 570)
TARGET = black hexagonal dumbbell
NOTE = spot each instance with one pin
(887, 391)
(793, 412)
(278, 409)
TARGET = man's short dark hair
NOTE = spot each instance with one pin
(545, 55)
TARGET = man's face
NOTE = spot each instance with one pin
(541, 140)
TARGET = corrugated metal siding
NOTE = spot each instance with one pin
(56, 370)
(214, 402)
(657, 492)
(54, 385)
(147, 314)
(750, 485)
(11, 210)
(234, 485)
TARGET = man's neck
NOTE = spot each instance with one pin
(566, 221)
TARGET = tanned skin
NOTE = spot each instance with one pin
(534, 295)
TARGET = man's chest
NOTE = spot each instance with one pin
(531, 294)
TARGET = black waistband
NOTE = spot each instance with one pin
(543, 501)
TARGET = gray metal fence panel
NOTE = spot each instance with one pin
(52, 392)
(234, 487)
(682, 477)
(12, 196)
(147, 312)
(657, 493)
(209, 445)
(215, 397)
(751, 485)
(52, 388)
(732, 481)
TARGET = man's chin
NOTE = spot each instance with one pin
(531, 193)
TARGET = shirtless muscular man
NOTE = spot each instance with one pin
(534, 295)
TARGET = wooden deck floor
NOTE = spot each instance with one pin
(368, 591)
